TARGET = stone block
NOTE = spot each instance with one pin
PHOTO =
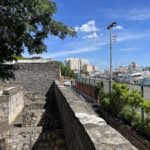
(10, 91)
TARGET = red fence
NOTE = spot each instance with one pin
(86, 89)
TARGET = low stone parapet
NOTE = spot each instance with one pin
(11, 104)
(83, 128)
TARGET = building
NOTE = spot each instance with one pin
(133, 67)
(76, 63)
(87, 69)
(121, 69)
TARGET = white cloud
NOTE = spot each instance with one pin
(95, 44)
(133, 35)
(73, 51)
(93, 35)
(101, 42)
(134, 14)
(139, 14)
(88, 27)
(126, 50)
(118, 27)
(77, 28)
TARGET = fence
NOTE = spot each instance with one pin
(94, 81)
(145, 90)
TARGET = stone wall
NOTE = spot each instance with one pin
(11, 104)
(83, 128)
(4, 108)
(22, 139)
(31, 118)
(36, 77)
(38, 127)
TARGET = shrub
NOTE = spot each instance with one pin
(144, 127)
(135, 99)
(127, 114)
(118, 98)
(99, 90)
(123, 103)
(146, 106)
(105, 103)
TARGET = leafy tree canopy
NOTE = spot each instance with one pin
(99, 89)
(65, 71)
(26, 23)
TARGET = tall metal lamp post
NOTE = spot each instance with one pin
(110, 26)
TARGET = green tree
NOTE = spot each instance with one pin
(119, 97)
(129, 112)
(146, 106)
(135, 99)
(99, 89)
(65, 71)
(144, 127)
(25, 24)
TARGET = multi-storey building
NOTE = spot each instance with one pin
(76, 63)
(133, 67)
(89, 69)
(121, 69)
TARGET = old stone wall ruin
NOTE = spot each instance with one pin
(52, 118)
(11, 104)
(37, 76)
(30, 118)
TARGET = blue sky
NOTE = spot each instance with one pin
(90, 18)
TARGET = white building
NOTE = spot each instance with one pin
(133, 67)
(76, 63)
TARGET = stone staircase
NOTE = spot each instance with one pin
(38, 127)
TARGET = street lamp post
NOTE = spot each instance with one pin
(110, 26)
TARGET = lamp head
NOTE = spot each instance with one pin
(113, 24)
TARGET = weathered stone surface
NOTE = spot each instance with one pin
(10, 91)
(11, 104)
(48, 135)
(31, 118)
(22, 138)
(85, 129)
(39, 126)
(35, 105)
(36, 77)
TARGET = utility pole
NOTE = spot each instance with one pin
(110, 26)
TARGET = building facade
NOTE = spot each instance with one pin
(89, 69)
(133, 67)
(76, 63)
